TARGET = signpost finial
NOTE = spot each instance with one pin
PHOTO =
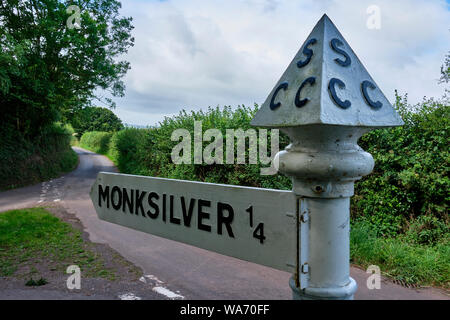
(327, 84)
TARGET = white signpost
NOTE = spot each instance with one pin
(253, 224)
(325, 101)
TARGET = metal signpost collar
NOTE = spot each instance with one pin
(325, 101)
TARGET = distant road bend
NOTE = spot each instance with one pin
(193, 272)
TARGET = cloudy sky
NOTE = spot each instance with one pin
(191, 54)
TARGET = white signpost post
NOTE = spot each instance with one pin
(325, 101)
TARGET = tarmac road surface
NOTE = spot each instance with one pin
(191, 272)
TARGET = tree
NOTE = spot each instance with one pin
(445, 77)
(445, 70)
(51, 66)
(95, 119)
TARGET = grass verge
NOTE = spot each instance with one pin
(399, 259)
(33, 238)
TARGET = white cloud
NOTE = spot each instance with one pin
(193, 54)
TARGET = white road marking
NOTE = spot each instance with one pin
(166, 292)
(152, 277)
(129, 296)
(43, 192)
(50, 191)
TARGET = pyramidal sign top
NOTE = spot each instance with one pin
(326, 84)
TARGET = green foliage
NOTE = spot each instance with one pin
(29, 236)
(411, 174)
(445, 70)
(125, 149)
(96, 141)
(48, 70)
(398, 258)
(148, 151)
(34, 283)
(427, 230)
(95, 119)
(24, 161)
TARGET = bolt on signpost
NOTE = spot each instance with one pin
(325, 101)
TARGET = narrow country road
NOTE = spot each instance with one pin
(193, 272)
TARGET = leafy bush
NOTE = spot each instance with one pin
(411, 174)
(148, 151)
(95, 119)
(124, 149)
(96, 141)
(24, 161)
(427, 230)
